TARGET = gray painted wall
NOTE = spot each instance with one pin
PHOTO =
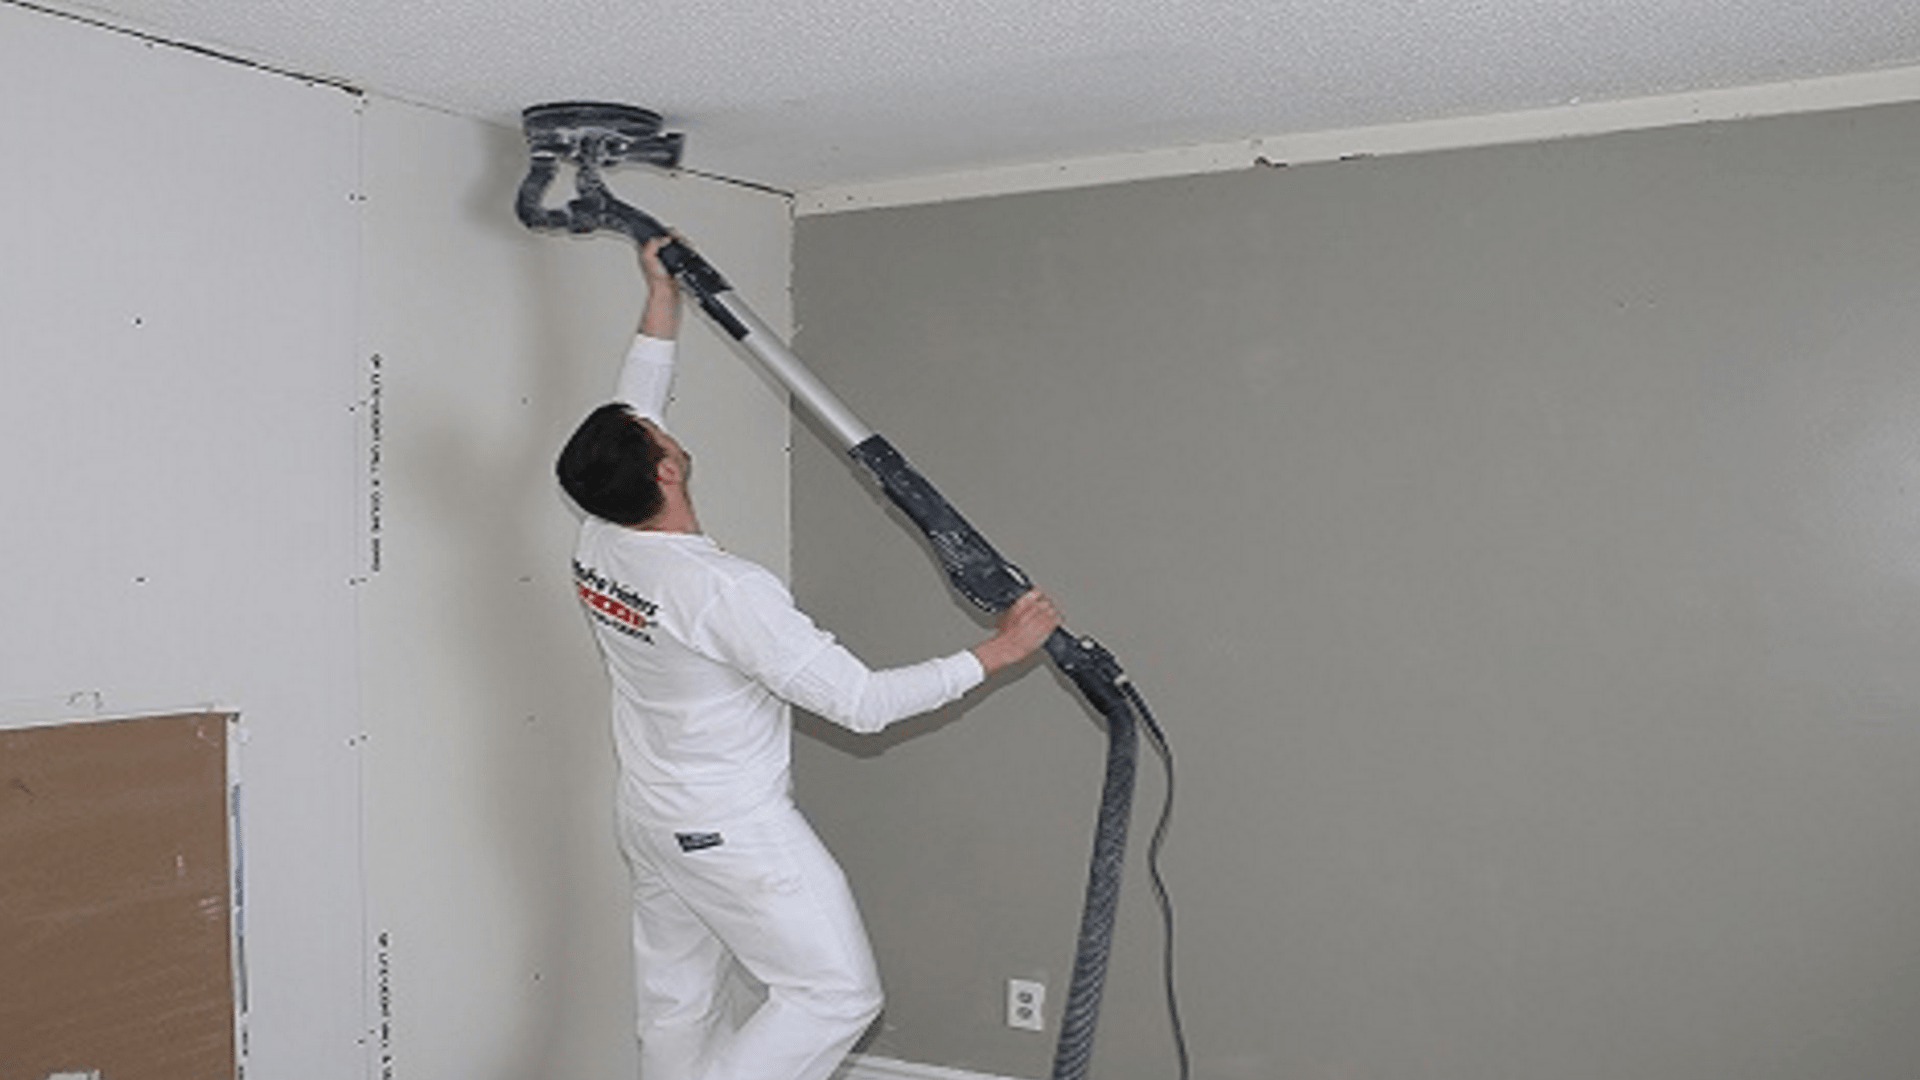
(1521, 548)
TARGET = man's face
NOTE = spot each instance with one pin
(675, 452)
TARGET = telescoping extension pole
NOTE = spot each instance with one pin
(592, 135)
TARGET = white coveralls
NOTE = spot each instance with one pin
(705, 650)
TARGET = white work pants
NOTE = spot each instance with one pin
(765, 893)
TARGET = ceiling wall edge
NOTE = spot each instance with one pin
(1537, 125)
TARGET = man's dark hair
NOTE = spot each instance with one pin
(609, 464)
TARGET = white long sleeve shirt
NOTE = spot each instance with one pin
(705, 650)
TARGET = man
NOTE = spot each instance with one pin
(705, 650)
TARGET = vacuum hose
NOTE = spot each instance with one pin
(1074, 1051)
(590, 136)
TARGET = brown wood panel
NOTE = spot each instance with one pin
(115, 913)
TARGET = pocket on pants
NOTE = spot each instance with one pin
(775, 896)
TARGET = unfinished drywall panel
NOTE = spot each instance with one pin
(177, 456)
(1517, 544)
(497, 900)
(116, 912)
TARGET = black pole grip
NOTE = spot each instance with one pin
(981, 575)
(1093, 670)
(975, 568)
(705, 283)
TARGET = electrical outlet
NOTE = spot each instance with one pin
(1026, 1004)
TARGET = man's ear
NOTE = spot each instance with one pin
(668, 471)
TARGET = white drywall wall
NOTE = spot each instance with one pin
(176, 456)
(497, 886)
(206, 267)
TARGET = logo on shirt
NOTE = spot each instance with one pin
(612, 604)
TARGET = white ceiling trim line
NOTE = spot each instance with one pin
(1536, 125)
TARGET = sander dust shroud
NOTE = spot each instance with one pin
(590, 136)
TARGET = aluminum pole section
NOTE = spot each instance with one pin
(786, 368)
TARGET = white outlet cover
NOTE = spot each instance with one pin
(1026, 1004)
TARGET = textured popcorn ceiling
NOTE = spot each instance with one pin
(805, 94)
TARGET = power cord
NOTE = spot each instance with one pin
(1165, 899)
